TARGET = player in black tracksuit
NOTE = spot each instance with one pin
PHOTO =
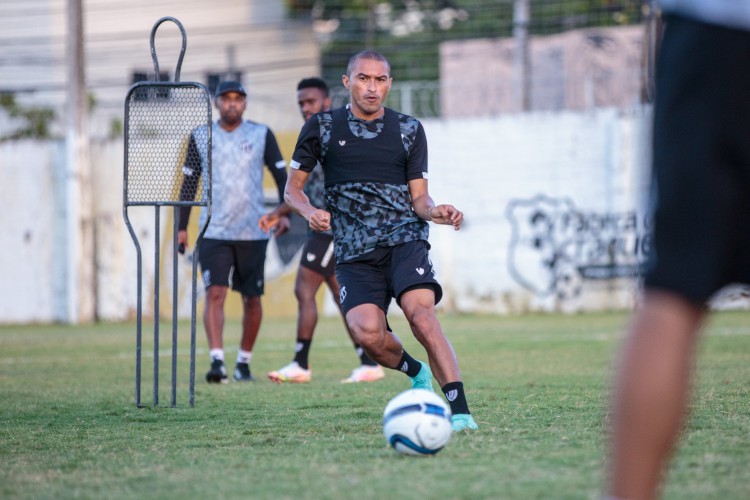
(378, 205)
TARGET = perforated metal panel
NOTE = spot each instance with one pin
(160, 121)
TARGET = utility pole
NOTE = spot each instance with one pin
(79, 244)
(521, 66)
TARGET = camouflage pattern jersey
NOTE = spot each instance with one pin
(367, 167)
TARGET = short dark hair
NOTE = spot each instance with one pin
(313, 83)
(367, 54)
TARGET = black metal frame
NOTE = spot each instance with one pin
(205, 202)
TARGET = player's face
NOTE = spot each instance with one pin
(231, 106)
(312, 100)
(368, 85)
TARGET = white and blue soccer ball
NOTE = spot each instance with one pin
(417, 422)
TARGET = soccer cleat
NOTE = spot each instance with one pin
(242, 373)
(292, 373)
(217, 374)
(461, 421)
(365, 373)
(423, 379)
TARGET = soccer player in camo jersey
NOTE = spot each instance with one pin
(233, 250)
(378, 206)
(316, 264)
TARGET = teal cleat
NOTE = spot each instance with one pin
(462, 421)
(423, 380)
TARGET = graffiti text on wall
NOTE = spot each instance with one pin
(555, 246)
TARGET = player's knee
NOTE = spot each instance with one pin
(304, 293)
(216, 294)
(369, 334)
(422, 322)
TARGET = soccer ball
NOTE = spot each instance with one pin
(417, 422)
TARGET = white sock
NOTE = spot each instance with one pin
(216, 354)
(244, 356)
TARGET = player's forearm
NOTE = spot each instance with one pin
(423, 206)
(298, 202)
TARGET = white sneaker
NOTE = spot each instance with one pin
(365, 373)
(292, 373)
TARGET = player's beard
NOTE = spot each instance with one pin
(232, 118)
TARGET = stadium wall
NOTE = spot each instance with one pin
(553, 205)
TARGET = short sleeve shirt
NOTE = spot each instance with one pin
(367, 167)
(238, 157)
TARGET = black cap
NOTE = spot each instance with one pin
(229, 86)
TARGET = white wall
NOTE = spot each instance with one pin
(571, 169)
(553, 202)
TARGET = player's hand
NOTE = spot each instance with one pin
(182, 241)
(320, 220)
(282, 226)
(268, 221)
(447, 214)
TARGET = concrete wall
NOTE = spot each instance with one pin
(553, 205)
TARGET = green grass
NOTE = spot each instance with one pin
(537, 386)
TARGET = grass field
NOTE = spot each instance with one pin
(537, 386)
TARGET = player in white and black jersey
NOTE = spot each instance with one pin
(378, 205)
(233, 250)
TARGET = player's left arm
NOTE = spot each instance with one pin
(416, 174)
(425, 207)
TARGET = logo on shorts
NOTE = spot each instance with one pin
(207, 278)
(451, 395)
(310, 257)
(342, 295)
(420, 271)
(341, 143)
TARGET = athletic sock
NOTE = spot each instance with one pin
(454, 393)
(409, 365)
(363, 357)
(302, 352)
(244, 356)
(216, 354)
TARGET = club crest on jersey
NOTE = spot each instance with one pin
(420, 271)
(341, 143)
(246, 146)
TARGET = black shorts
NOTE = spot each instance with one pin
(317, 254)
(386, 272)
(239, 264)
(701, 160)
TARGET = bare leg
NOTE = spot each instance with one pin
(652, 389)
(213, 315)
(367, 324)
(252, 313)
(419, 307)
(305, 287)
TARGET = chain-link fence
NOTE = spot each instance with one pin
(488, 57)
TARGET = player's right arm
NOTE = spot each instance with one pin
(295, 197)
(307, 154)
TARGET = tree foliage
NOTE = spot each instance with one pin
(409, 32)
(33, 122)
